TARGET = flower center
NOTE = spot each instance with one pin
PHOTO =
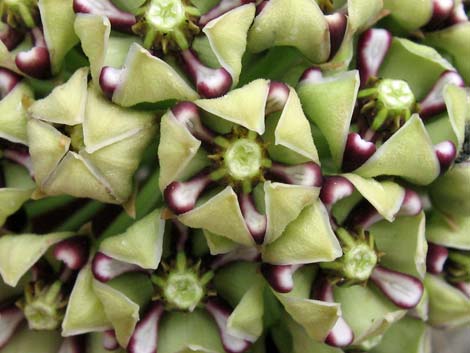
(243, 159)
(165, 15)
(359, 262)
(395, 94)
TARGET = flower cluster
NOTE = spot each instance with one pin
(233, 176)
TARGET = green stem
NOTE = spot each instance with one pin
(80, 217)
(39, 207)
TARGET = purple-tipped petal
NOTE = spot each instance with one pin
(120, 20)
(337, 23)
(445, 153)
(8, 81)
(433, 103)
(306, 174)
(311, 75)
(372, 48)
(411, 205)
(105, 268)
(73, 344)
(363, 215)
(11, 37)
(277, 97)
(356, 152)
(210, 83)
(110, 78)
(35, 62)
(255, 221)
(110, 342)
(144, 338)
(10, 319)
(182, 233)
(441, 11)
(464, 287)
(223, 6)
(334, 189)
(221, 312)
(73, 252)
(403, 290)
(457, 16)
(181, 197)
(436, 258)
(250, 254)
(279, 277)
(21, 157)
(260, 7)
(187, 113)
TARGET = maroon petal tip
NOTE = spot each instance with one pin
(250, 254)
(110, 78)
(73, 344)
(279, 277)
(8, 81)
(105, 268)
(334, 189)
(457, 16)
(11, 37)
(187, 113)
(277, 97)
(445, 153)
(403, 290)
(311, 75)
(363, 215)
(73, 252)
(337, 23)
(221, 8)
(306, 174)
(110, 342)
(373, 46)
(260, 7)
(441, 11)
(356, 152)
(464, 287)
(120, 20)
(255, 221)
(145, 336)
(411, 205)
(341, 335)
(436, 258)
(10, 319)
(181, 197)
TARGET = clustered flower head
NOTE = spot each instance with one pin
(233, 176)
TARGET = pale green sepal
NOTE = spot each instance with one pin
(19, 252)
(385, 196)
(330, 105)
(176, 149)
(450, 192)
(308, 239)
(47, 147)
(31, 341)
(404, 244)
(448, 306)
(141, 244)
(7, 59)
(284, 203)
(13, 116)
(366, 311)
(300, 24)
(456, 102)
(57, 17)
(454, 41)
(246, 320)
(141, 73)
(216, 213)
(66, 103)
(394, 157)
(363, 13)
(11, 199)
(411, 15)
(449, 231)
(227, 36)
(218, 244)
(293, 130)
(84, 313)
(181, 332)
(417, 64)
(244, 106)
(93, 32)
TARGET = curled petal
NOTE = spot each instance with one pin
(403, 290)
(250, 254)
(279, 276)
(110, 78)
(334, 189)
(210, 83)
(182, 196)
(411, 204)
(337, 23)
(306, 174)
(221, 312)
(445, 153)
(436, 258)
(73, 344)
(144, 338)
(73, 252)
(120, 20)
(433, 103)
(8, 81)
(441, 11)
(110, 342)
(10, 319)
(373, 47)
(35, 62)
(255, 221)
(356, 152)
(222, 7)
(11, 37)
(106, 268)
(277, 97)
(187, 113)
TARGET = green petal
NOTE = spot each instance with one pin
(188, 332)
(450, 231)
(410, 15)
(215, 214)
(419, 65)
(244, 106)
(18, 253)
(176, 149)
(142, 71)
(394, 157)
(57, 17)
(366, 311)
(456, 103)
(227, 35)
(218, 244)
(31, 341)
(11, 200)
(385, 196)
(309, 238)
(141, 244)
(246, 320)
(330, 105)
(283, 204)
(363, 13)
(13, 117)
(406, 336)
(47, 146)
(454, 41)
(404, 244)
(300, 24)
(85, 313)
(66, 103)
(448, 306)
